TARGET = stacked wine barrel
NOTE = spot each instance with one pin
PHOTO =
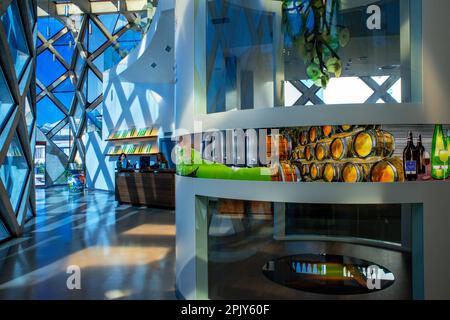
(346, 154)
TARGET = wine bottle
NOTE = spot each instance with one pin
(421, 151)
(410, 162)
(439, 169)
(448, 148)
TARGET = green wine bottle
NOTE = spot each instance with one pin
(448, 148)
(439, 164)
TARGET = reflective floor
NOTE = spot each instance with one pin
(122, 252)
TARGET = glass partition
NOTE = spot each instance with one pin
(260, 250)
(268, 53)
(14, 171)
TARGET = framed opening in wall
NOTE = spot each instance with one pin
(268, 53)
(271, 250)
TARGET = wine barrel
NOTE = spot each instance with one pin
(316, 171)
(346, 128)
(284, 147)
(304, 138)
(309, 153)
(341, 148)
(355, 172)
(304, 171)
(332, 172)
(387, 171)
(287, 172)
(322, 151)
(373, 143)
(328, 131)
(313, 134)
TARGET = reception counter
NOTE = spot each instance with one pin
(155, 188)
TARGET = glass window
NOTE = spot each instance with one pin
(121, 22)
(48, 114)
(39, 165)
(65, 93)
(4, 234)
(24, 80)
(31, 15)
(49, 27)
(79, 66)
(14, 171)
(78, 114)
(46, 62)
(94, 120)
(65, 46)
(110, 57)
(29, 117)
(16, 37)
(63, 139)
(109, 21)
(96, 37)
(357, 58)
(6, 101)
(94, 87)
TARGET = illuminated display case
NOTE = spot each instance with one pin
(253, 76)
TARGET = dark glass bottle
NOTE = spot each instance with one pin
(421, 154)
(410, 160)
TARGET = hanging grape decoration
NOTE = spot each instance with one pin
(311, 27)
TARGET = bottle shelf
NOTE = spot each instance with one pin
(133, 135)
(133, 150)
(133, 154)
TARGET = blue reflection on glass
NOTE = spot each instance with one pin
(14, 171)
(6, 101)
(48, 27)
(48, 114)
(48, 70)
(16, 37)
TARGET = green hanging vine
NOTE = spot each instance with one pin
(311, 25)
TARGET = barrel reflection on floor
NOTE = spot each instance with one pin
(328, 274)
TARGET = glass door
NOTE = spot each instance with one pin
(39, 165)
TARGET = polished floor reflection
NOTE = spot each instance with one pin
(123, 252)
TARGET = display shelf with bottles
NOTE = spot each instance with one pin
(141, 149)
(133, 134)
